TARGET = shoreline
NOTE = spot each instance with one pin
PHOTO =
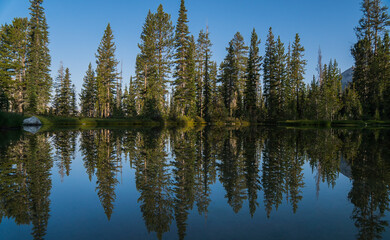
(13, 121)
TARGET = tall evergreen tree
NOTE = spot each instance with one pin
(381, 69)
(331, 91)
(369, 32)
(164, 47)
(13, 61)
(145, 70)
(281, 83)
(106, 73)
(207, 91)
(154, 62)
(385, 76)
(252, 78)
(184, 87)
(57, 88)
(269, 72)
(297, 71)
(129, 101)
(240, 53)
(64, 101)
(229, 79)
(39, 60)
(88, 97)
(202, 49)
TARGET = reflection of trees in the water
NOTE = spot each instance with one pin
(205, 174)
(89, 151)
(283, 161)
(25, 183)
(64, 143)
(323, 151)
(175, 171)
(99, 148)
(232, 169)
(371, 185)
(183, 163)
(252, 147)
(154, 182)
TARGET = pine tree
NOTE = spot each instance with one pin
(269, 75)
(207, 91)
(106, 73)
(331, 90)
(281, 81)
(202, 49)
(88, 97)
(13, 60)
(129, 100)
(374, 22)
(381, 69)
(385, 76)
(39, 60)
(369, 34)
(57, 88)
(73, 101)
(312, 106)
(297, 71)
(118, 111)
(252, 78)
(154, 62)
(240, 53)
(184, 87)
(145, 70)
(190, 90)
(6, 83)
(164, 48)
(229, 79)
(217, 107)
(352, 109)
(63, 98)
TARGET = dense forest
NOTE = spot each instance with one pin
(176, 78)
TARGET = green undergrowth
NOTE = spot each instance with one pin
(14, 121)
(94, 122)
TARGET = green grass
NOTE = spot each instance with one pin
(93, 122)
(13, 121)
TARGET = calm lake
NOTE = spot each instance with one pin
(206, 183)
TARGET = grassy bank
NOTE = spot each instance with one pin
(93, 122)
(14, 121)
(337, 123)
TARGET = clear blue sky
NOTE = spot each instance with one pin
(76, 26)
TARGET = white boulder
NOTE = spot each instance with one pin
(32, 121)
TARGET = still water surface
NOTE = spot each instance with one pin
(152, 183)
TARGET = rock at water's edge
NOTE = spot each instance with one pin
(32, 121)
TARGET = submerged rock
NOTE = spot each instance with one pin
(31, 129)
(32, 121)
